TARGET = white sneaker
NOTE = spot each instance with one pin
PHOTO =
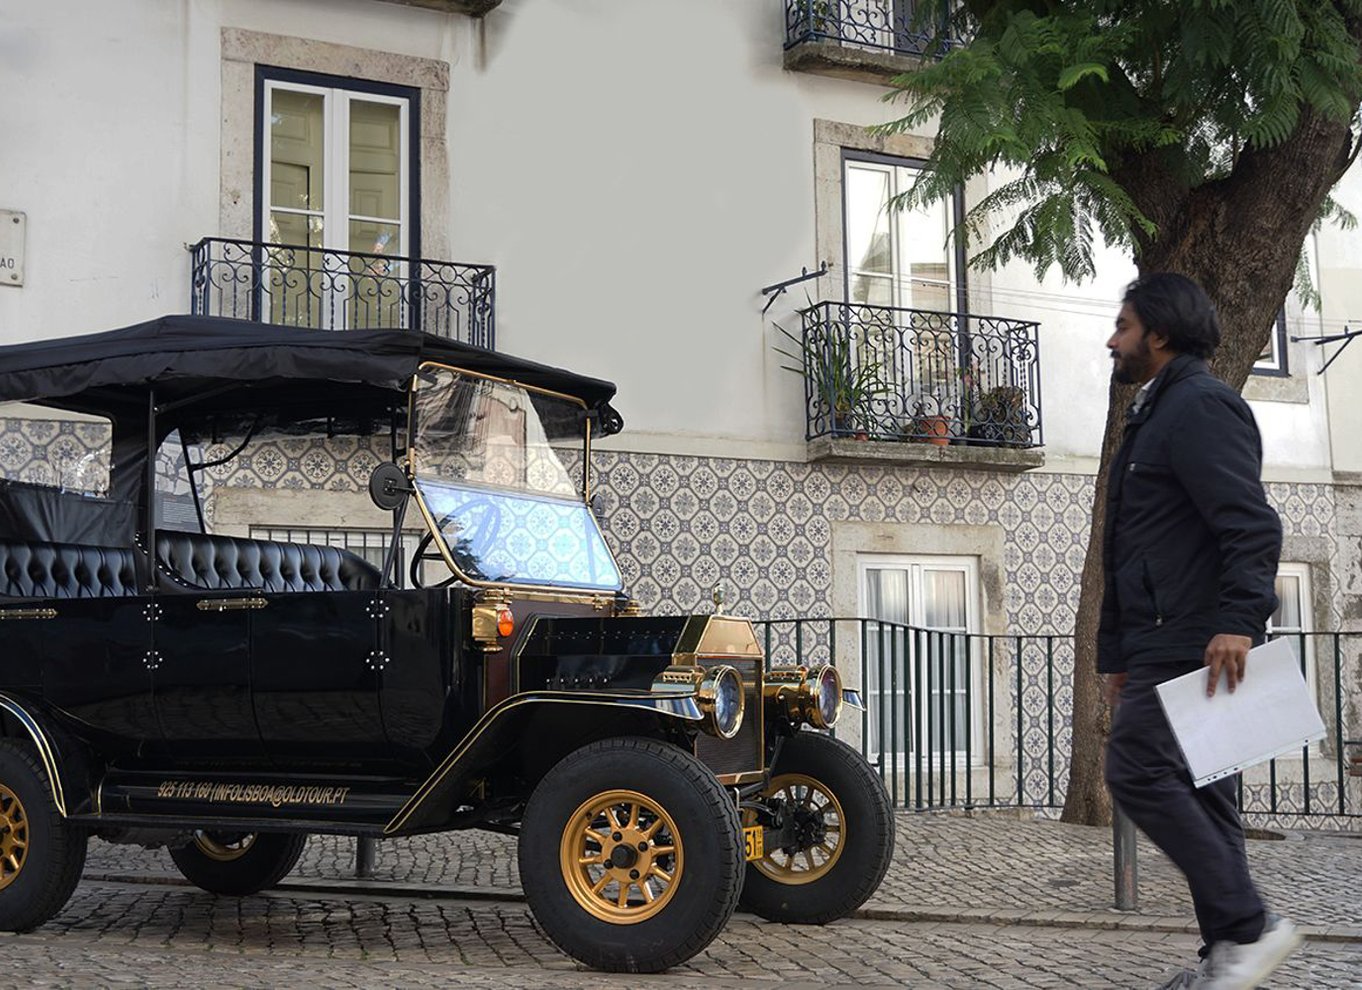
(1232, 966)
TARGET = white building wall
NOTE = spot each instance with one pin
(635, 170)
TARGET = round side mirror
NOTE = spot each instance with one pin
(388, 486)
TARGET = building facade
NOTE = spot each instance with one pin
(621, 188)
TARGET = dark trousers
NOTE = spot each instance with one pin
(1198, 828)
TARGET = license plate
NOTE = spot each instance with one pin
(752, 843)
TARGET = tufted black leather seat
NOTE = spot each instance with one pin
(33, 569)
(221, 563)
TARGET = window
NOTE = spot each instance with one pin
(921, 684)
(336, 173)
(898, 257)
(1273, 359)
(66, 451)
(1292, 618)
(905, 288)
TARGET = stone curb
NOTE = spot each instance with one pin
(1108, 920)
(368, 888)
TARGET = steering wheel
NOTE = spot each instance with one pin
(422, 554)
(487, 525)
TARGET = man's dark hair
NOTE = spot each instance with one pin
(1176, 307)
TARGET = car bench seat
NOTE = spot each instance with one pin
(201, 562)
(36, 569)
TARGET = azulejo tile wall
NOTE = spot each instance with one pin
(680, 525)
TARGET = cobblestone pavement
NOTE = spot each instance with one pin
(985, 901)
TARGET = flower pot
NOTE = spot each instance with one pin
(936, 429)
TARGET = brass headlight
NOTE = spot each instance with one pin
(722, 701)
(824, 689)
(804, 694)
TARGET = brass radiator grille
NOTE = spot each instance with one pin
(745, 752)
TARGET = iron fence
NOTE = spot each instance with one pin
(338, 290)
(889, 373)
(962, 720)
(880, 25)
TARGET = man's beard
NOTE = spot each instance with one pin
(1132, 369)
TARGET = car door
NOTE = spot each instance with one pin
(95, 661)
(316, 673)
(202, 676)
(426, 697)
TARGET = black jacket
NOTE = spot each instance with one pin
(1191, 545)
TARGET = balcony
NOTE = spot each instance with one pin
(865, 40)
(473, 8)
(342, 290)
(885, 384)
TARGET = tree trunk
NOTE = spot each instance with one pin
(1087, 802)
(1239, 238)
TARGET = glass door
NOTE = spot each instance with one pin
(922, 672)
(336, 203)
(901, 279)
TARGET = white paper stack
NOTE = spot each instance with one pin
(1270, 713)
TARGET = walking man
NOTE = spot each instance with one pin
(1191, 549)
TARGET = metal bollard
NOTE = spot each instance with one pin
(1127, 869)
(364, 857)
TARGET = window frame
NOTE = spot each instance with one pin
(957, 256)
(303, 80)
(969, 565)
(1300, 571)
(1276, 366)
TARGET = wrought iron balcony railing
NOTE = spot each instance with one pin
(339, 290)
(885, 373)
(881, 25)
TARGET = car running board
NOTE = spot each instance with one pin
(185, 796)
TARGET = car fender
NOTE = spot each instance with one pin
(490, 732)
(68, 769)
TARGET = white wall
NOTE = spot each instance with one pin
(1340, 267)
(636, 170)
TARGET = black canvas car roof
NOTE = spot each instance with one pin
(215, 364)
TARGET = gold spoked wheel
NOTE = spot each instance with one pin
(224, 847)
(13, 836)
(819, 824)
(621, 856)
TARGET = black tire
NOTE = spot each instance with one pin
(823, 775)
(238, 863)
(659, 798)
(41, 854)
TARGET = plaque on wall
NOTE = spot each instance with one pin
(12, 224)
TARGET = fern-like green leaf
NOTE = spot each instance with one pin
(1075, 74)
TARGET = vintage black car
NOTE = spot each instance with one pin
(226, 696)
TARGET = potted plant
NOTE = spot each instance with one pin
(928, 427)
(816, 16)
(842, 385)
(1002, 417)
(851, 388)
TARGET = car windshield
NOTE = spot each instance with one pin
(496, 467)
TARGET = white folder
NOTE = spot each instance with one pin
(1270, 713)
